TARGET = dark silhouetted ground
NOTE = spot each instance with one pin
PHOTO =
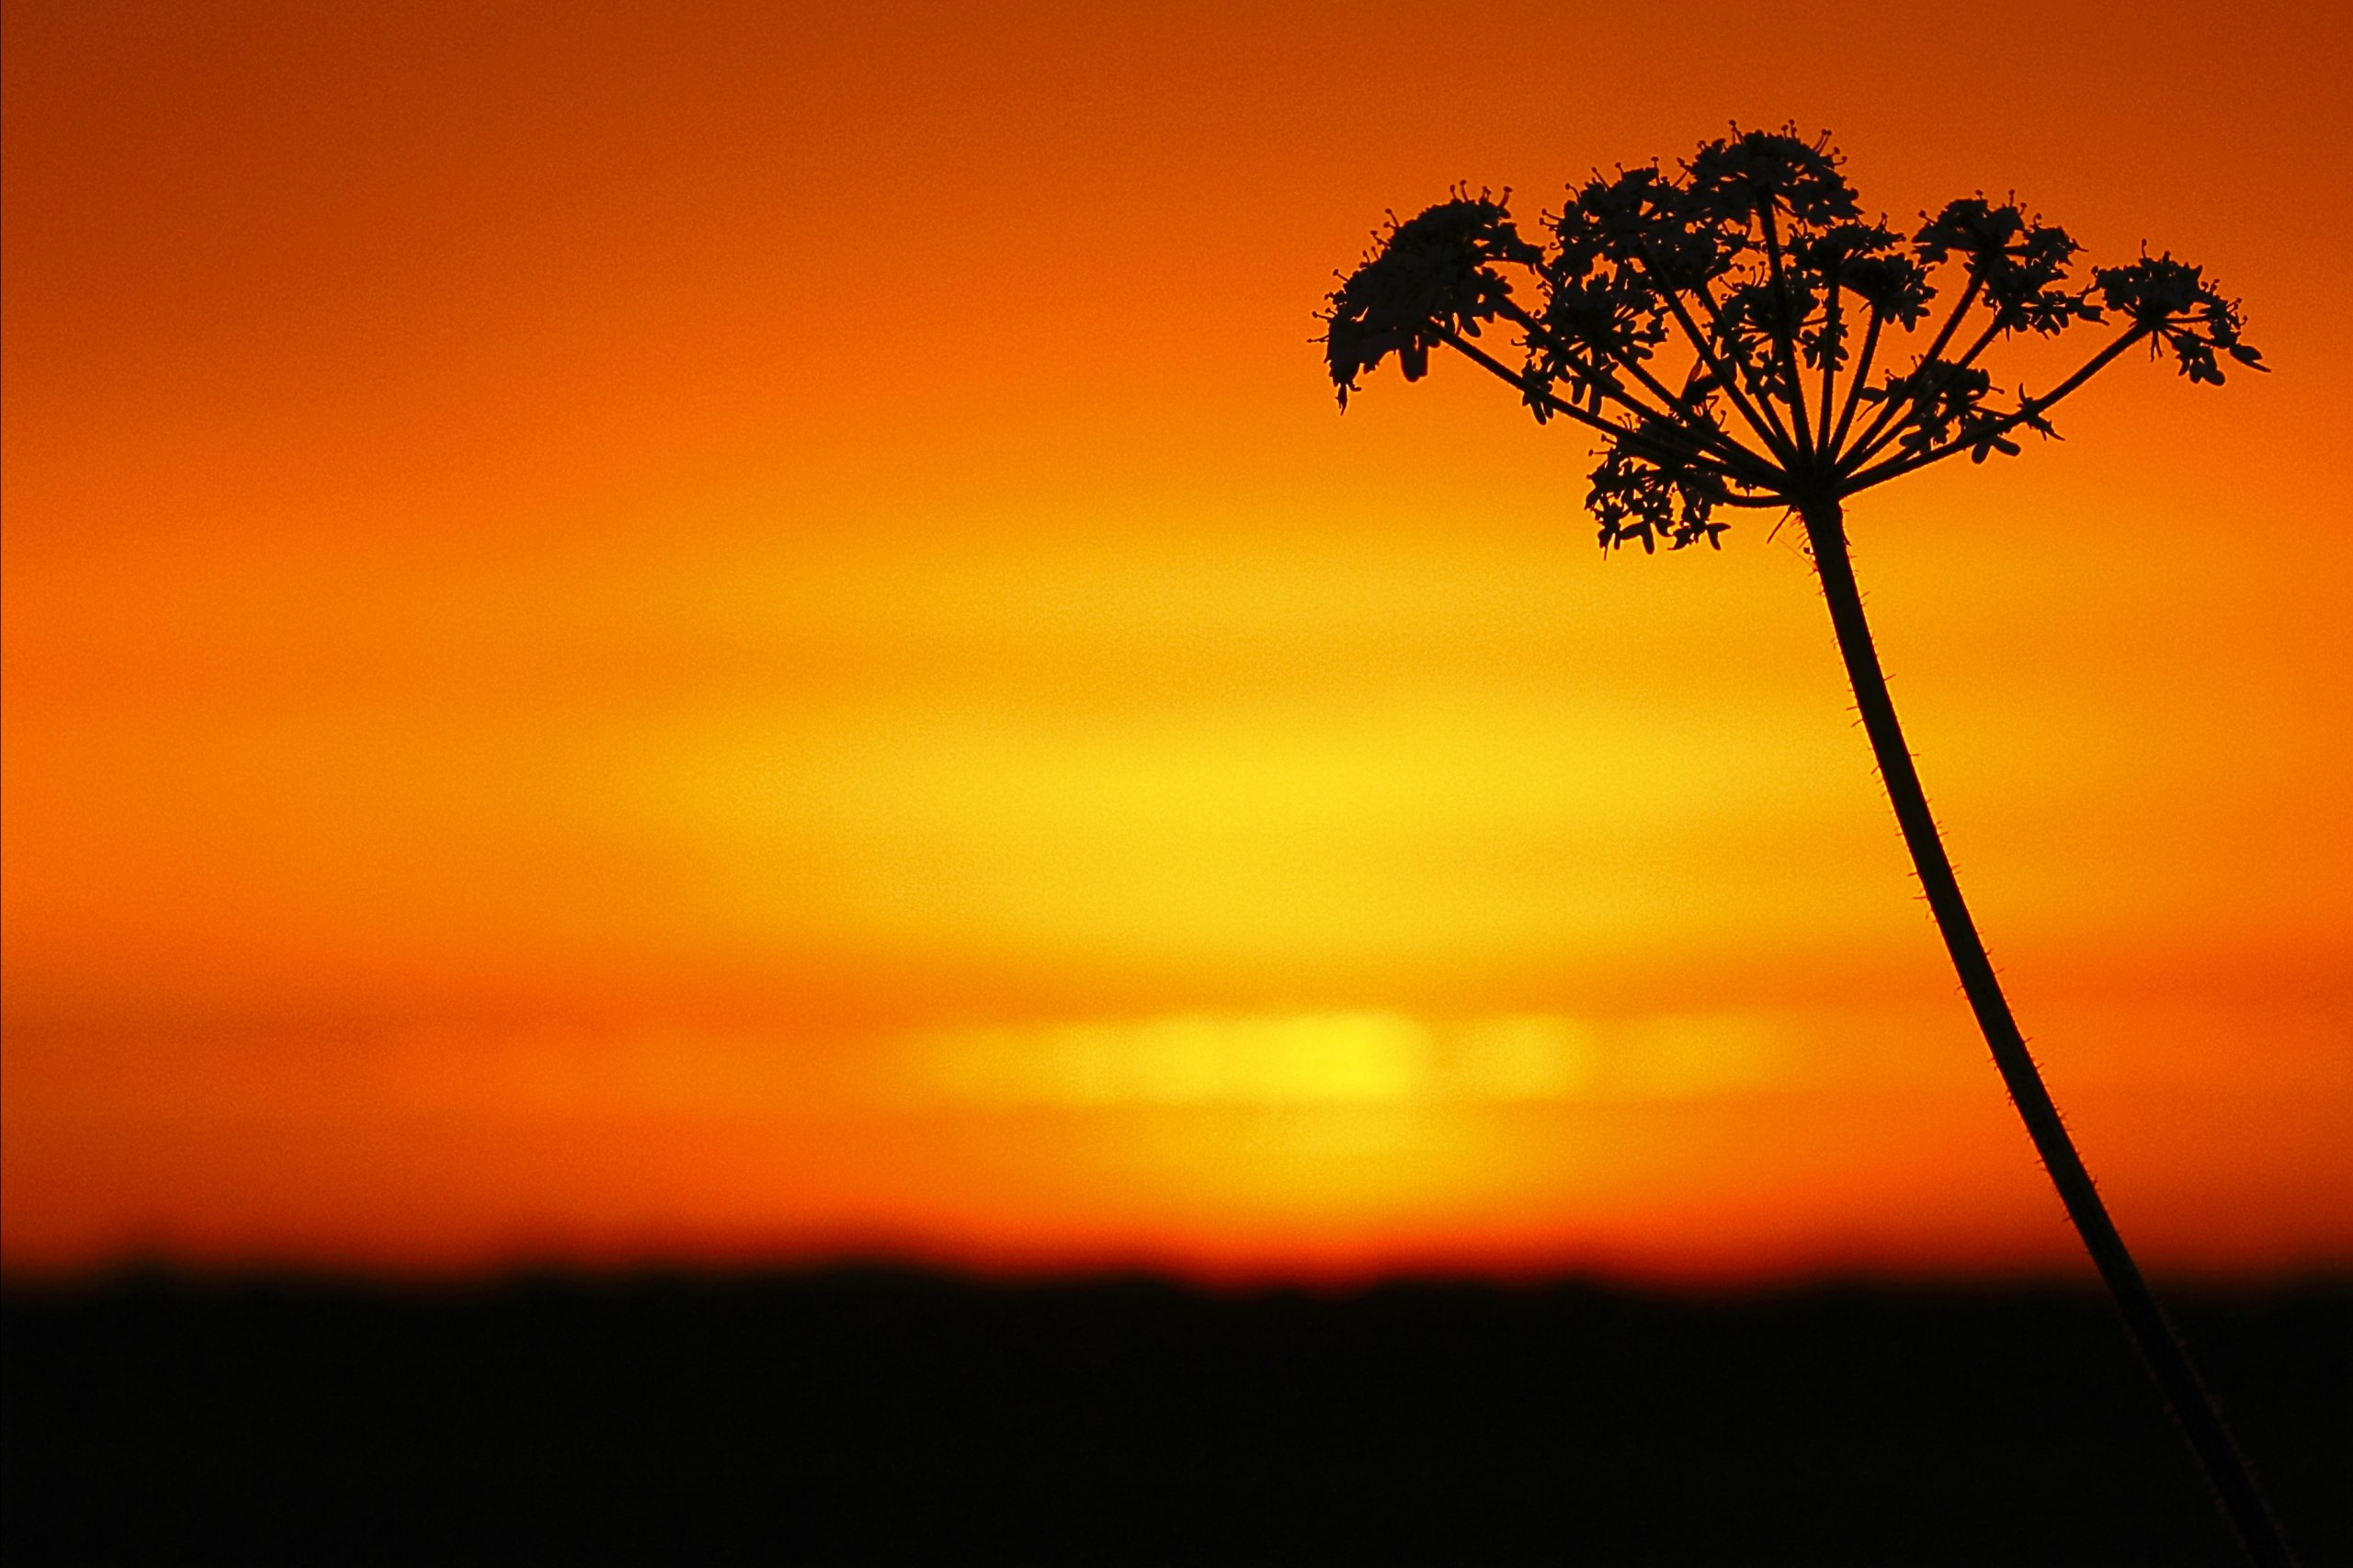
(881, 1416)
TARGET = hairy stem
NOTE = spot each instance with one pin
(2161, 1349)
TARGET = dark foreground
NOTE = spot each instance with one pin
(877, 1416)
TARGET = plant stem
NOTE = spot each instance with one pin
(1879, 473)
(1767, 425)
(1861, 373)
(1833, 335)
(1785, 331)
(1900, 405)
(2161, 1349)
(1663, 452)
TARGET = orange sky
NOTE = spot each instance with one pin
(754, 635)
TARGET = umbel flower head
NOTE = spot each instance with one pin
(1739, 334)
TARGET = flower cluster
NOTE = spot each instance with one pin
(2171, 302)
(1428, 279)
(1739, 334)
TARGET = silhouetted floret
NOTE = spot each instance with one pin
(1758, 174)
(1432, 276)
(2180, 311)
(2019, 263)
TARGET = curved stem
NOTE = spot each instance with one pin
(2167, 1360)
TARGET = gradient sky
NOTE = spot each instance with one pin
(746, 633)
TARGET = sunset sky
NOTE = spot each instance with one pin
(748, 632)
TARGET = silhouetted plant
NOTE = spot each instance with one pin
(1739, 336)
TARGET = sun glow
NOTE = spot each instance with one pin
(1343, 1058)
